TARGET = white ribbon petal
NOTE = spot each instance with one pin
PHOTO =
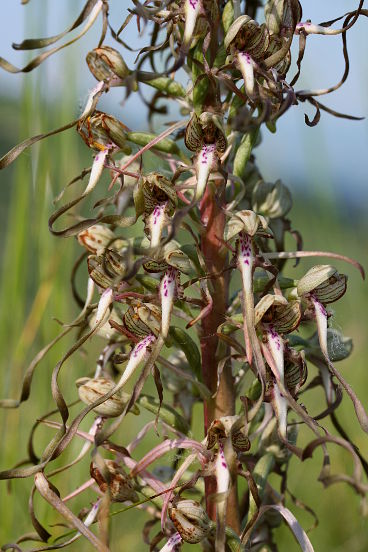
(311, 28)
(168, 292)
(105, 301)
(156, 222)
(246, 67)
(276, 346)
(280, 407)
(172, 543)
(191, 10)
(97, 168)
(204, 164)
(138, 354)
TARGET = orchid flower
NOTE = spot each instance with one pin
(172, 262)
(274, 315)
(205, 136)
(247, 43)
(322, 285)
(244, 225)
(159, 203)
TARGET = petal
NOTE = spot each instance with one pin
(138, 354)
(105, 301)
(172, 543)
(204, 164)
(168, 292)
(279, 404)
(276, 346)
(156, 223)
(246, 67)
(321, 320)
(223, 484)
(191, 10)
(97, 168)
(311, 28)
(89, 105)
(245, 264)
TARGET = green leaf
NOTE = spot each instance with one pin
(228, 15)
(199, 79)
(243, 152)
(183, 340)
(149, 283)
(164, 84)
(143, 138)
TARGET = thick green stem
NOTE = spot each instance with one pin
(223, 404)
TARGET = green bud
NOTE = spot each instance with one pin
(271, 200)
(164, 84)
(143, 319)
(246, 35)
(325, 282)
(106, 63)
(143, 138)
(339, 347)
(276, 310)
(228, 15)
(107, 269)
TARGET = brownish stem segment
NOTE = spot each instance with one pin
(223, 404)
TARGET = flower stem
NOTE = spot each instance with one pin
(223, 404)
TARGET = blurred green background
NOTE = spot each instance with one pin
(325, 168)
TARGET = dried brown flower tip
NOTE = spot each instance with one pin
(101, 131)
(116, 482)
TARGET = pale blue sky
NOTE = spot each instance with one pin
(332, 155)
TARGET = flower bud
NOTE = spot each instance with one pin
(90, 390)
(190, 520)
(271, 200)
(157, 189)
(245, 221)
(276, 44)
(295, 370)
(245, 35)
(107, 269)
(281, 16)
(143, 319)
(205, 129)
(275, 310)
(106, 63)
(117, 483)
(101, 131)
(324, 282)
(97, 237)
